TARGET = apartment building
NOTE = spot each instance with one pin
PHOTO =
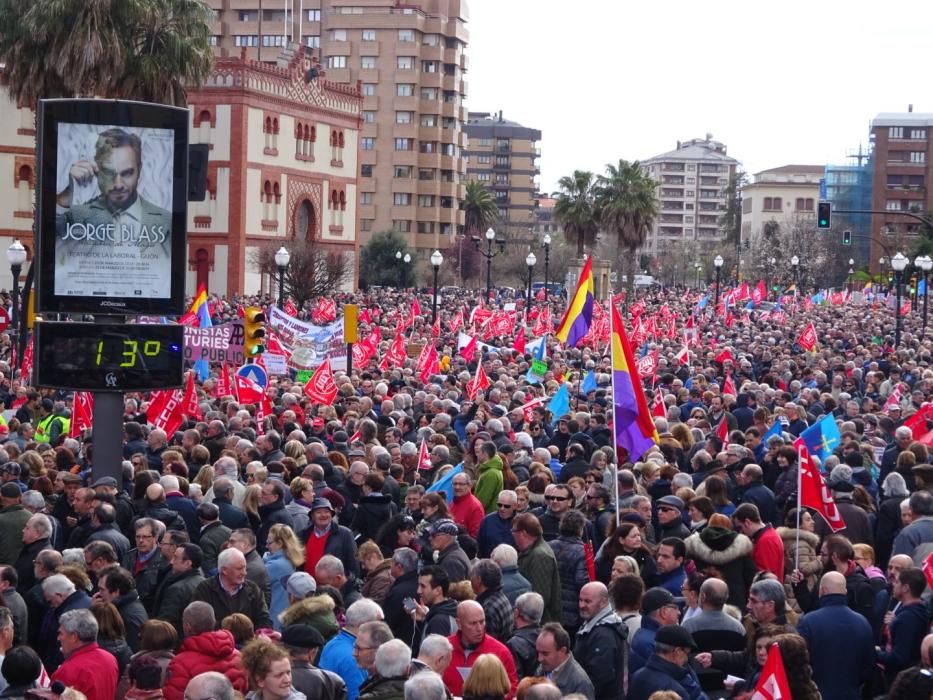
(503, 155)
(691, 182)
(410, 61)
(785, 194)
(901, 174)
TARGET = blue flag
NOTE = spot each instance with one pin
(539, 354)
(773, 431)
(559, 404)
(701, 304)
(445, 483)
(822, 437)
(922, 287)
(589, 382)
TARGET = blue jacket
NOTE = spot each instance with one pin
(660, 674)
(642, 646)
(493, 531)
(337, 656)
(763, 497)
(838, 676)
(908, 629)
(279, 568)
(672, 581)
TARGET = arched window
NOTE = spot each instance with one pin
(343, 200)
(276, 192)
(340, 139)
(201, 267)
(204, 116)
(304, 221)
(25, 174)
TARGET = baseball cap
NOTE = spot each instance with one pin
(675, 636)
(655, 599)
(302, 637)
(301, 584)
(445, 527)
(105, 481)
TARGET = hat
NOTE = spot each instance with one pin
(498, 411)
(105, 481)
(47, 404)
(69, 478)
(10, 468)
(506, 449)
(302, 637)
(319, 503)
(301, 584)
(655, 599)
(340, 436)
(356, 452)
(317, 422)
(445, 527)
(671, 502)
(840, 478)
(675, 636)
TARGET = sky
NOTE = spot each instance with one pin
(777, 83)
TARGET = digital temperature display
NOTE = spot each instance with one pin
(108, 357)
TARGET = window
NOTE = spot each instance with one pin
(405, 63)
(428, 147)
(772, 204)
(918, 134)
(425, 200)
(690, 193)
(484, 142)
(449, 123)
(484, 160)
(338, 34)
(429, 66)
(246, 16)
(368, 35)
(366, 197)
(245, 40)
(426, 174)
(367, 143)
(403, 172)
(428, 120)
(336, 61)
(213, 40)
(401, 226)
(314, 15)
(430, 40)
(809, 204)
(276, 40)
(404, 117)
(482, 177)
(404, 90)
(369, 116)
(348, 10)
(366, 171)
(502, 179)
(425, 227)
(895, 132)
(369, 89)
(799, 204)
(401, 199)
(313, 41)
(406, 35)
(367, 62)
(428, 93)
(502, 161)
(404, 144)
(448, 149)
(366, 224)
(502, 195)
(917, 157)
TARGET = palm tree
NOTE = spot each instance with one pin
(131, 49)
(575, 209)
(479, 208)
(627, 205)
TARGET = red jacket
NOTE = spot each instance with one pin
(453, 678)
(208, 651)
(768, 553)
(91, 670)
(469, 512)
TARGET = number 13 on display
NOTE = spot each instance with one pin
(130, 351)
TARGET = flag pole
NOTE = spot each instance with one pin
(612, 384)
(799, 488)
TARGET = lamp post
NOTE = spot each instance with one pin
(898, 262)
(926, 264)
(407, 260)
(530, 261)
(16, 256)
(489, 255)
(697, 266)
(718, 261)
(282, 258)
(795, 265)
(436, 260)
(772, 261)
(546, 244)
(398, 260)
(851, 272)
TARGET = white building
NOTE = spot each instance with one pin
(785, 195)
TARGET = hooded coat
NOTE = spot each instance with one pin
(730, 553)
(317, 611)
(208, 651)
(810, 564)
(489, 483)
(371, 514)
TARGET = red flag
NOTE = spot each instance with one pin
(189, 403)
(321, 388)
(247, 391)
(813, 491)
(170, 417)
(590, 558)
(918, 421)
(540, 295)
(905, 308)
(28, 354)
(290, 308)
(722, 431)
(82, 417)
(428, 363)
(519, 343)
(469, 350)
(807, 339)
(424, 458)
(660, 409)
(396, 354)
(683, 355)
(728, 386)
(157, 402)
(436, 328)
(356, 436)
(364, 316)
(479, 383)
(456, 323)
(223, 387)
(772, 684)
(542, 323)
(648, 365)
(724, 356)
(928, 569)
(894, 400)
(415, 307)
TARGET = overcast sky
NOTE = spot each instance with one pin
(778, 83)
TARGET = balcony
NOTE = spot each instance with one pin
(405, 104)
(368, 75)
(429, 106)
(434, 80)
(369, 48)
(429, 133)
(404, 158)
(673, 167)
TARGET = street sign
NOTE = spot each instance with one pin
(4, 319)
(823, 196)
(254, 372)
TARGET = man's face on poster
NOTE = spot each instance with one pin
(118, 177)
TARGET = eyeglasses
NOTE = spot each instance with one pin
(357, 647)
(556, 498)
(504, 505)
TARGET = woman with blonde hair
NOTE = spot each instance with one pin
(487, 680)
(295, 450)
(251, 505)
(204, 478)
(32, 464)
(284, 555)
(269, 671)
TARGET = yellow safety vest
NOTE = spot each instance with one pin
(44, 427)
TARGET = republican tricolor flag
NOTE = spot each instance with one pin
(634, 427)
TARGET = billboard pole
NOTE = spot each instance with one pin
(106, 437)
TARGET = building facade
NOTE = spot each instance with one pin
(691, 192)
(503, 155)
(785, 195)
(849, 188)
(901, 172)
(410, 61)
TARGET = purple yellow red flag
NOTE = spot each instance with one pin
(634, 426)
(579, 314)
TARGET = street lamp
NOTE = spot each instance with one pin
(851, 272)
(771, 263)
(795, 264)
(16, 256)
(926, 264)
(530, 261)
(547, 259)
(282, 257)
(436, 260)
(718, 261)
(489, 255)
(697, 266)
(898, 262)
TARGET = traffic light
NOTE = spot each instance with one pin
(824, 215)
(254, 332)
(846, 238)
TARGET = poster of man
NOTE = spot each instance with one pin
(113, 211)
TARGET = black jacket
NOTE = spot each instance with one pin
(441, 619)
(341, 544)
(372, 512)
(173, 596)
(249, 601)
(24, 564)
(134, 617)
(522, 646)
(230, 515)
(399, 621)
(272, 514)
(168, 517)
(147, 580)
(602, 650)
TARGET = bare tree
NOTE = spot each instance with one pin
(313, 271)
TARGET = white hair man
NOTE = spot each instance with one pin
(392, 660)
(426, 685)
(228, 467)
(230, 592)
(86, 668)
(434, 655)
(339, 655)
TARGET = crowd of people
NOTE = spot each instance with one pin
(424, 538)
